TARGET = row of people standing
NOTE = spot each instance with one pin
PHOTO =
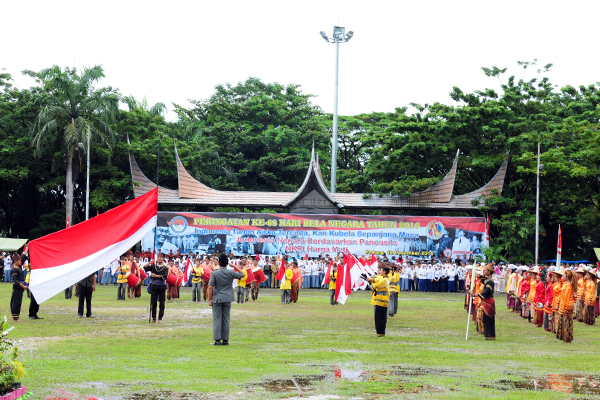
(556, 299)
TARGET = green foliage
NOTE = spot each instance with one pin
(11, 370)
(258, 136)
(255, 135)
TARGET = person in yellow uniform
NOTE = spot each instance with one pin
(241, 287)
(286, 284)
(332, 284)
(196, 281)
(393, 277)
(124, 267)
(380, 296)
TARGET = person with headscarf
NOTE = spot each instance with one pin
(429, 275)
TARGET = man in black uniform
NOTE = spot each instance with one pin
(86, 287)
(18, 287)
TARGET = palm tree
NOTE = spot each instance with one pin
(70, 108)
(142, 106)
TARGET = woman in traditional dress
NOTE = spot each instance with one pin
(566, 306)
(538, 301)
(549, 298)
(488, 305)
(511, 288)
(559, 282)
(589, 316)
(581, 287)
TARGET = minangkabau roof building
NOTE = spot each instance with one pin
(313, 197)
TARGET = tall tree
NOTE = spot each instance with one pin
(70, 108)
(261, 132)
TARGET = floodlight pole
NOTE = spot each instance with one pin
(87, 185)
(537, 208)
(335, 119)
(339, 36)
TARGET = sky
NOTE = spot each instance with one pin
(401, 52)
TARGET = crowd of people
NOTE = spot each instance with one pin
(554, 297)
(545, 296)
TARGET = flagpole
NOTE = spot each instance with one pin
(473, 271)
(156, 225)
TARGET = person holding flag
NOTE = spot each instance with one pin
(285, 276)
(380, 296)
(332, 279)
(19, 287)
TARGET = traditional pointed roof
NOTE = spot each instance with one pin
(142, 185)
(313, 196)
(313, 182)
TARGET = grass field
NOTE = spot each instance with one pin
(287, 351)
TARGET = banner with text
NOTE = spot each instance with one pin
(313, 235)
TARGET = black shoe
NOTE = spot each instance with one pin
(90, 316)
(35, 317)
(225, 343)
(216, 343)
(80, 315)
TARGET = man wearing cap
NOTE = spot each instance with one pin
(220, 297)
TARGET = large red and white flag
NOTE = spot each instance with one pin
(559, 248)
(63, 258)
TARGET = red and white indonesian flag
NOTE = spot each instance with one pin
(188, 270)
(327, 274)
(63, 258)
(559, 248)
(372, 265)
(343, 282)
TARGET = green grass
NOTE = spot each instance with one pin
(118, 354)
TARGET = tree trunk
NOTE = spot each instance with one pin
(69, 187)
